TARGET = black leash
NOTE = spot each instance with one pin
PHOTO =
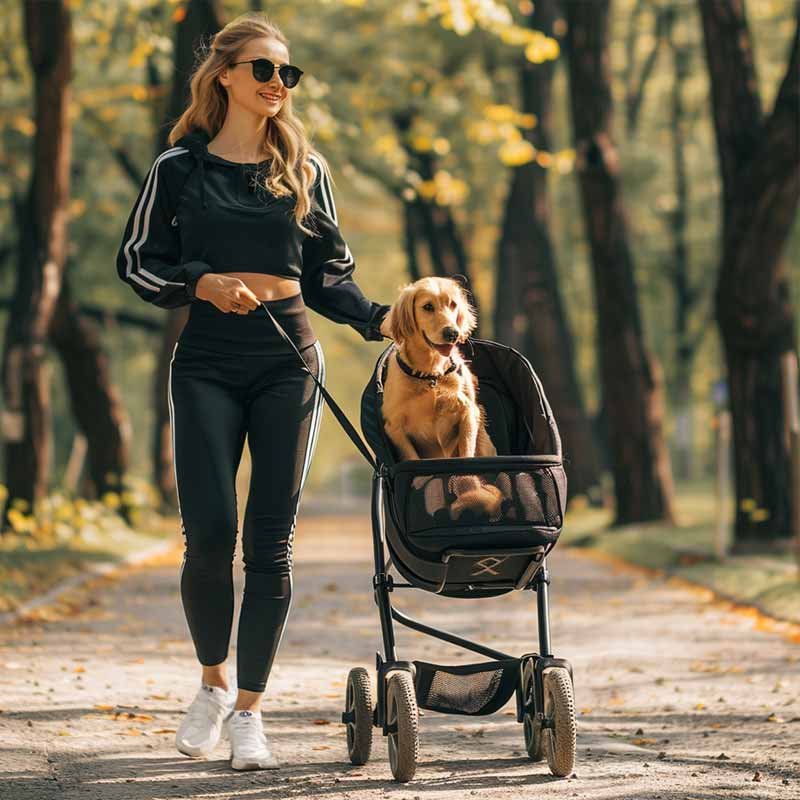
(340, 415)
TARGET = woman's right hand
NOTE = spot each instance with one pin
(226, 293)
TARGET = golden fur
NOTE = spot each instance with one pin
(445, 420)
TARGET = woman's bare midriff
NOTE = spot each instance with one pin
(267, 287)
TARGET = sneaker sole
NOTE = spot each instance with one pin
(245, 764)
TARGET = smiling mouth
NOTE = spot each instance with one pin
(270, 98)
(442, 349)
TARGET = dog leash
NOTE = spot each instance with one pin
(338, 413)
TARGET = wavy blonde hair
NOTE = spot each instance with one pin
(289, 173)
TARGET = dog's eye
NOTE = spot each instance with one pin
(427, 307)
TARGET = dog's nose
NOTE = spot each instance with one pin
(449, 334)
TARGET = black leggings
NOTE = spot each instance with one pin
(215, 399)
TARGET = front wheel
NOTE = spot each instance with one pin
(402, 720)
(358, 715)
(560, 738)
(531, 726)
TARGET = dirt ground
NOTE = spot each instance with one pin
(677, 696)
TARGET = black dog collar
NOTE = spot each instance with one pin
(427, 376)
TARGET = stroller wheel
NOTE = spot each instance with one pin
(531, 726)
(358, 715)
(402, 719)
(559, 706)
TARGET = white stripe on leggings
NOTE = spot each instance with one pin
(319, 402)
(171, 405)
(316, 416)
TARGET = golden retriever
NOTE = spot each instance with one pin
(434, 412)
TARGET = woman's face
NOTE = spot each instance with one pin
(264, 99)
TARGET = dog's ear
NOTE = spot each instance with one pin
(401, 316)
(467, 320)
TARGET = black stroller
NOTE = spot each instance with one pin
(439, 544)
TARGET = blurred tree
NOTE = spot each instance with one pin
(95, 401)
(759, 160)
(41, 258)
(632, 385)
(197, 21)
(529, 313)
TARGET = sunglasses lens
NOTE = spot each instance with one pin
(263, 69)
(290, 76)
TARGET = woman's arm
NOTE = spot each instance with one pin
(149, 258)
(328, 265)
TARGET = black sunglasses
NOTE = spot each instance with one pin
(264, 69)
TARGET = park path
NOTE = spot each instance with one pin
(678, 697)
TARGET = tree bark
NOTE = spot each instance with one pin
(760, 165)
(529, 313)
(632, 382)
(96, 403)
(42, 254)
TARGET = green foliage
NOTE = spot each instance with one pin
(452, 71)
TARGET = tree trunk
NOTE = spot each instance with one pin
(529, 314)
(96, 403)
(685, 295)
(632, 383)
(203, 19)
(760, 164)
(434, 225)
(42, 254)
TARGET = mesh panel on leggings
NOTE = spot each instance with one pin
(465, 689)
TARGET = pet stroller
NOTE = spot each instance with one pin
(440, 543)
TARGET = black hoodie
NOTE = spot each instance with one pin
(198, 213)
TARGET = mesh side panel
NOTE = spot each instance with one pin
(508, 497)
(471, 689)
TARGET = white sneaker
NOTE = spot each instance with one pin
(201, 726)
(249, 749)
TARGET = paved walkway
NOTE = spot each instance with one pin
(678, 697)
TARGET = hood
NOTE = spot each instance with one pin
(196, 142)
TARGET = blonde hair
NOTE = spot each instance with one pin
(290, 172)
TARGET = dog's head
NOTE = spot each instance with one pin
(433, 311)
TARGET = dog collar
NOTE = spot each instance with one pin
(427, 376)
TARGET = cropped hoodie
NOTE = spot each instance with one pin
(197, 212)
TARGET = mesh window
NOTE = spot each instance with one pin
(472, 689)
(529, 497)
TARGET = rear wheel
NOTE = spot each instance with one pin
(531, 726)
(358, 715)
(560, 740)
(402, 719)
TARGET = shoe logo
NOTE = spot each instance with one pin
(245, 713)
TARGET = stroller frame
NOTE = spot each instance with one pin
(542, 683)
(383, 583)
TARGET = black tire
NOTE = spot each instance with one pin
(358, 701)
(403, 716)
(531, 726)
(560, 741)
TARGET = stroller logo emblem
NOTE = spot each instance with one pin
(487, 565)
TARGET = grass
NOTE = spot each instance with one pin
(687, 550)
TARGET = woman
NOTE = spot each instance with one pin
(237, 211)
